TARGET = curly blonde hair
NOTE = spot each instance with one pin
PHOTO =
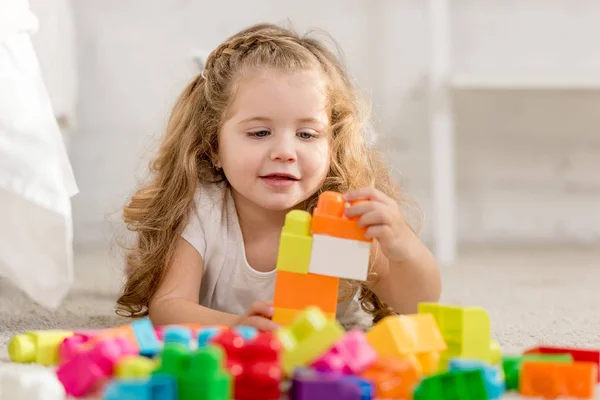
(158, 212)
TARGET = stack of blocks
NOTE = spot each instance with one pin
(442, 352)
(315, 252)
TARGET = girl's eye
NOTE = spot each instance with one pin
(258, 134)
(305, 135)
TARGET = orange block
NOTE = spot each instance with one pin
(285, 316)
(555, 379)
(393, 378)
(329, 219)
(298, 291)
(414, 337)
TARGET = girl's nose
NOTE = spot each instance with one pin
(283, 151)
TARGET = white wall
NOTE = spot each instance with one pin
(527, 161)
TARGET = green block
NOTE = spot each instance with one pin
(174, 360)
(453, 385)
(511, 365)
(206, 378)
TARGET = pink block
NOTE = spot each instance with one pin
(160, 332)
(84, 370)
(69, 347)
(352, 354)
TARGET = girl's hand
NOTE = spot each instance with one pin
(258, 316)
(382, 217)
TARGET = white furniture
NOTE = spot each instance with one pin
(552, 73)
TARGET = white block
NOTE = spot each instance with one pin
(342, 258)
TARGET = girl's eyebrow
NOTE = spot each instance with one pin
(266, 119)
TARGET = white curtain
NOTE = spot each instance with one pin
(36, 179)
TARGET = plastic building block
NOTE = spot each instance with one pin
(33, 383)
(309, 336)
(329, 219)
(71, 346)
(366, 387)
(247, 332)
(463, 385)
(254, 364)
(414, 337)
(177, 334)
(146, 337)
(200, 374)
(511, 365)
(133, 367)
(310, 385)
(291, 294)
(492, 375)
(578, 354)
(157, 387)
(206, 334)
(39, 347)
(206, 379)
(558, 379)
(295, 243)
(466, 331)
(80, 374)
(285, 316)
(392, 378)
(342, 258)
(352, 354)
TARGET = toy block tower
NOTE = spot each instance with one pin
(315, 251)
(340, 247)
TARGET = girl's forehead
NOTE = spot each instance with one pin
(274, 93)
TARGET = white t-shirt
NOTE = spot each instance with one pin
(229, 283)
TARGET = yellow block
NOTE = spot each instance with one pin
(308, 337)
(39, 347)
(466, 330)
(133, 367)
(296, 243)
(285, 316)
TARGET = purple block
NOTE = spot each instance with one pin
(312, 385)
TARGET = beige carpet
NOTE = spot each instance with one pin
(543, 295)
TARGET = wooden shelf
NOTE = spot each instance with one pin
(528, 81)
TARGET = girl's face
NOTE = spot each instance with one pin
(274, 147)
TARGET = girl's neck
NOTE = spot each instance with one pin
(256, 220)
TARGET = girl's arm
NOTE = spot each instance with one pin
(176, 300)
(403, 284)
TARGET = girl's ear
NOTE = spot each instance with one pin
(216, 161)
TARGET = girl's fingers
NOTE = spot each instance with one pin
(261, 323)
(263, 308)
(379, 231)
(368, 193)
(359, 209)
(375, 217)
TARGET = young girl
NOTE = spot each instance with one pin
(271, 122)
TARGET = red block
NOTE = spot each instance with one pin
(585, 355)
(255, 365)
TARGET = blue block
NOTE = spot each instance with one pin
(206, 334)
(163, 387)
(367, 389)
(178, 334)
(146, 337)
(492, 376)
(247, 332)
(157, 387)
(127, 390)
